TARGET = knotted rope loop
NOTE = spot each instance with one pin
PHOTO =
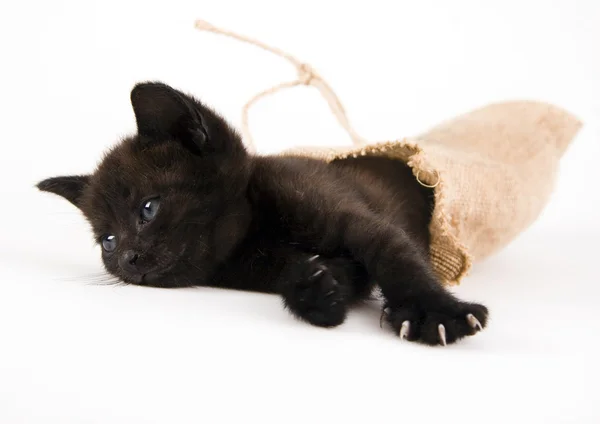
(306, 76)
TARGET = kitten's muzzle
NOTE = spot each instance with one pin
(134, 263)
(141, 268)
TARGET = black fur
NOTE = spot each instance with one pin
(319, 234)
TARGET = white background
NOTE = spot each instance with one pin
(73, 351)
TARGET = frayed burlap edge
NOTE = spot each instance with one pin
(449, 257)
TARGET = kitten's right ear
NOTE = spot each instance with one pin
(69, 187)
(165, 113)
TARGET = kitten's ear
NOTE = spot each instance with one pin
(70, 187)
(162, 112)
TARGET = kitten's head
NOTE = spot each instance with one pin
(168, 204)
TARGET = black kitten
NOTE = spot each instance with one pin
(182, 203)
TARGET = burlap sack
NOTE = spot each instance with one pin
(492, 170)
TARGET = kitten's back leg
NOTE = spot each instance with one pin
(414, 297)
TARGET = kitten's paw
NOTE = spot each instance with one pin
(312, 293)
(437, 324)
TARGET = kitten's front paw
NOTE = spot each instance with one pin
(435, 323)
(312, 293)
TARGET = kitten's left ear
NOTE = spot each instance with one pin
(69, 187)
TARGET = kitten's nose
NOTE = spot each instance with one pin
(128, 261)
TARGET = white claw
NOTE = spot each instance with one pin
(474, 322)
(316, 274)
(442, 334)
(313, 258)
(384, 314)
(404, 329)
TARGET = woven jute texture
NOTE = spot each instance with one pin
(493, 170)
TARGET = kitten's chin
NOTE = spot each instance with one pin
(168, 278)
(156, 279)
(162, 278)
(174, 275)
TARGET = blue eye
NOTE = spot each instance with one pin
(149, 210)
(109, 243)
